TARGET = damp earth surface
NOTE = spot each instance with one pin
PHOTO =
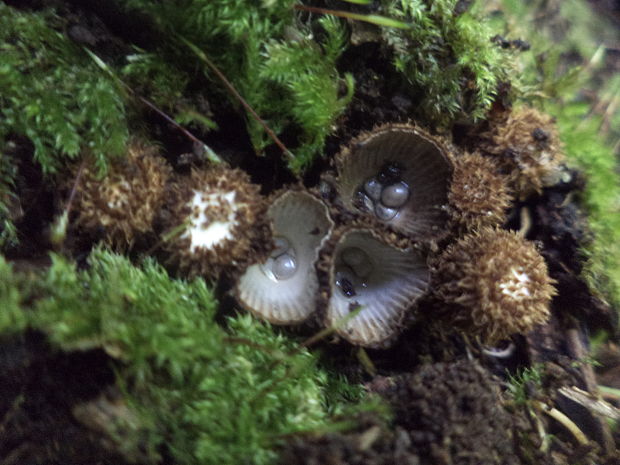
(94, 370)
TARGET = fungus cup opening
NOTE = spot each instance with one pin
(283, 288)
(205, 232)
(384, 281)
(400, 175)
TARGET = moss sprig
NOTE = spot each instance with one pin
(590, 151)
(203, 392)
(447, 57)
(271, 58)
(53, 94)
(12, 317)
(8, 172)
(312, 82)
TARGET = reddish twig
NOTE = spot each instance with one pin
(169, 119)
(238, 96)
(99, 62)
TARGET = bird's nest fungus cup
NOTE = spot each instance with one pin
(399, 175)
(368, 272)
(282, 289)
(479, 195)
(527, 147)
(216, 222)
(493, 284)
(123, 205)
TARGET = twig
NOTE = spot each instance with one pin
(168, 235)
(525, 216)
(200, 54)
(591, 402)
(577, 350)
(58, 231)
(609, 392)
(102, 64)
(540, 429)
(327, 331)
(366, 362)
(211, 155)
(76, 183)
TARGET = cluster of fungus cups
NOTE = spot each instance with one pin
(359, 262)
(210, 223)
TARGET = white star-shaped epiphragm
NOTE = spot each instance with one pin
(517, 284)
(204, 234)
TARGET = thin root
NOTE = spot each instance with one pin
(564, 421)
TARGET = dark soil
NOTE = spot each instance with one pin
(39, 387)
(447, 410)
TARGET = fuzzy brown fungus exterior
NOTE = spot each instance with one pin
(124, 203)
(399, 175)
(528, 147)
(216, 222)
(493, 284)
(479, 195)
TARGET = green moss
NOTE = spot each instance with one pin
(53, 94)
(8, 233)
(524, 381)
(571, 25)
(205, 393)
(447, 57)
(270, 57)
(311, 84)
(12, 317)
(283, 63)
(588, 149)
(166, 86)
(559, 34)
